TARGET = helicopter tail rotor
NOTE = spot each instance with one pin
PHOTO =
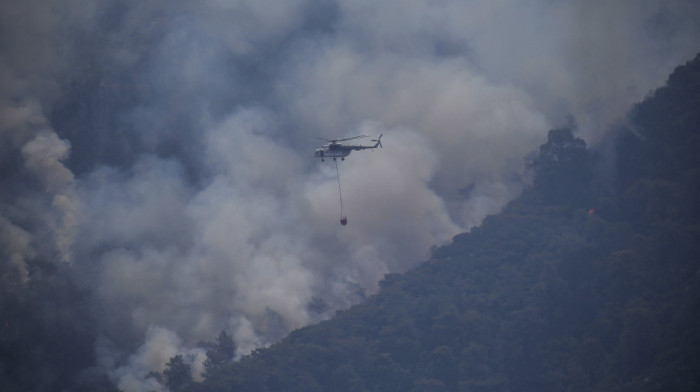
(379, 141)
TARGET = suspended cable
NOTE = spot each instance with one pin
(343, 219)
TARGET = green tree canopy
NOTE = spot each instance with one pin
(178, 374)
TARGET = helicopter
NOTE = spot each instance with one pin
(334, 149)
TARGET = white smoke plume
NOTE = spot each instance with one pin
(164, 148)
(38, 207)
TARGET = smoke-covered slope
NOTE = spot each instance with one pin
(157, 184)
(588, 281)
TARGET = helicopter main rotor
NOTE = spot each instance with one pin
(342, 140)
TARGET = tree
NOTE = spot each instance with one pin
(220, 354)
(563, 170)
(178, 374)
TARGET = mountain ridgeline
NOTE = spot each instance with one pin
(589, 281)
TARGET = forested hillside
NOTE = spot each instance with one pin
(590, 281)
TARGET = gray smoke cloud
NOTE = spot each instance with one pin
(38, 206)
(163, 149)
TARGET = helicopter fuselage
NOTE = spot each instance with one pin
(332, 151)
(336, 150)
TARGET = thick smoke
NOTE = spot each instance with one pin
(38, 206)
(163, 149)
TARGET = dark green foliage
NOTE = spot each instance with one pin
(563, 169)
(575, 286)
(220, 354)
(663, 136)
(178, 374)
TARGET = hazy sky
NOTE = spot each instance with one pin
(163, 150)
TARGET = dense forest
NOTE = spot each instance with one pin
(589, 281)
